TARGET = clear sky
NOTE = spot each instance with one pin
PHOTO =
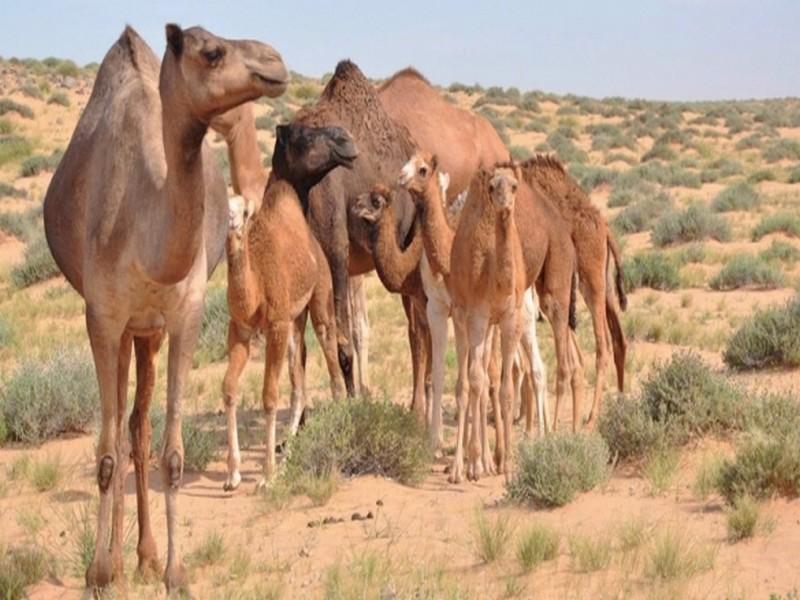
(656, 49)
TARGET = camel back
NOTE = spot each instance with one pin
(548, 173)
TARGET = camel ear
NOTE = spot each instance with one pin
(434, 162)
(175, 38)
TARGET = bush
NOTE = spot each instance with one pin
(59, 98)
(590, 554)
(640, 215)
(782, 149)
(7, 105)
(688, 398)
(212, 344)
(43, 399)
(743, 519)
(660, 151)
(651, 269)
(761, 175)
(626, 426)
(538, 544)
(38, 264)
(794, 175)
(566, 149)
(31, 91)
(359, 437)
(695, 223)
(780, 251)
(21, 567)
(491, 539)
(745, 269)
(783, 222)
(5, 127)
(200, 445)
(36, 164)
(553, 469)
(13, 148)
(520, 152)
(764, 466)
(24, 226)
(10, 191)
(590, 177)
(771, 338)
(726, 167)
(628, 190)
(675, 556)
(740, 196)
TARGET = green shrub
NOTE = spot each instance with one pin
(651, 269)
(538, 544)
(695, 223)
(659, 151)
(740, 196)
(726, 167)
(31, 91)
(13, 148)
(771, 338)
(783, 222)
(21, 567)
(781, 251)
(5, 127)
(749, 142)
(38, 264)
(782, 149)
(773, 414)
(10, 191)
(687, 397)
(743, 270)
(629, 190)
(200, 444)
(794, 174)
(59, 98)
(491, 538)
(45, 398)
(553, 469)
(36, 164)
(641, 215)
(212, 345)
(628, 429)
(590, 554)
(24, 226)
(675, 556)
(358, 437)
(67, 68)
(765, 465)
(7, 105)
(761, 175)
(590, 177)
(660, 469)
(566, 149)
(743, 519)
(520, 152)
(607, 136)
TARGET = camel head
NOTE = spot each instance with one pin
(239, 212)
(209, 75)
(370, 206)
(304, 155)
(418, 172)
(503, 189)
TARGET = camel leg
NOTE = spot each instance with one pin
(557, 315)
(141, 431)
(577, 376)
(490, 392)
(324, 322)
(297, 371)
(182, 341)
(105, 337)
(338, 258)
(595, 298)
(510, 334)
(277, 342)
(416, 339)
(477, 326)
(437, 321)
(462, 383)
(358, 309)
(238, 355)
(618, 341)
(118, 512)
(537, 376)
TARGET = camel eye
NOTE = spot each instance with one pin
(213, 55)
(376, 202)
(423, 170)
(514, 188)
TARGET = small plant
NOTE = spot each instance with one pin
(210, 551)
(673, 556)
(695, 223)
(553, 469)
(590, 554)
(7, 105)
(491, 538)
(761, 175)
(782, 149)
(743, 270)
(520, 152)
(10, 191)
(45, 474)
(38, 264)
(740, 196)
(38, 163)
(707, 477)
(212, 345)
(200, 445)
(743, 519)
(771, 338)
(59, 98)
(639, 215)
(631, 535)
(660, 469)
(14, 148)
(628, 429)
(783, 222)
(319, 489)
(781, 251)
(21, 567)
(537, 545)
(651, 269)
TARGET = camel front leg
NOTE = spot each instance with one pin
(462, 387)
(324, 322)
(146, 355)
(437, 321)
(416, 340)
(530, 345)
(476, 332)
(297, 371)
(510, 334)
(182, 341)
(490, 394)
(358, 311)
(277, 341)
(596, 301)
(118, 513)
(238, 355)
(105, 337)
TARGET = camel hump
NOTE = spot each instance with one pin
(407, 73)
(347, 68)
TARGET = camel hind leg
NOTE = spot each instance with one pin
(297, 372)
(360, 318)
(594, 293)
(277, 342)
(238, 355)
(323, 318)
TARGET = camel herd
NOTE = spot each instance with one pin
(393, 179)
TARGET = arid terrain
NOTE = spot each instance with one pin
(689, 188)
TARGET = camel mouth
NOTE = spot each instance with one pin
(346, 159)
(277, 85)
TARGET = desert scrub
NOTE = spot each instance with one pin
(59, 98)
(781, 251)
(21, 567)
(7, 105)
(651, 269)
(210, 551)
(740, 196)
(642, 213)
(589, 177)
(554, 469)
(674, 556)
(590, 554)
(747, 270)
(761, 175)
(359, 437)
(520, 152)
(660, 469)
(10, 191)
(265, 122)
(628, 429)
(38, 163)
(212, 345)
(743, 519)
(566, 149)
(707, 476)
(24, 226)
(770, 338)
(491, 537)
(200, 444)
(538, 544)
(45, 398)
(781, 149)
(14, 148)
(37, 265)
(765, 465)
(695, 223)
(686, 396)
(628, 189)
(794, 175)
(782, 222)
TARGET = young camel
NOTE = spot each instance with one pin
(487, 283)
(428, 186)
(277, 273)
(134, 217)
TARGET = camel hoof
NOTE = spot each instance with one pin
(99, 574)
(148, 569)
(232, 482)
(281, 447)
(177, 582)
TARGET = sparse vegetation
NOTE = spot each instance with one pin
(14, 148)
(747, 270)
(210, 551)
(491, 537)
(674, 556)
(782, 222)
(37, 265)
(781, 251)
(7, 105)
(21, 567)
(660, 469)
(590, 553)
(740, 196)
(770, 338)
(212, 345)
(538, 544)
(651, 269)
(695, 223)
(743, 518)
(59, 98)
(38, 163)
(641, 214)
(200, 445)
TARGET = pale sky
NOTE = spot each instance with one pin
(655, 49)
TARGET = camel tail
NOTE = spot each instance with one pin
(619, 276)
(573, 317)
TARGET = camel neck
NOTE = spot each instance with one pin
(505, 239)
(248, 176)
(241, 295)
(393, 264)
(437, 236)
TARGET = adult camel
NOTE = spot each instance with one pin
(136, 218)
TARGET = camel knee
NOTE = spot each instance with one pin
(172, 468)
(105, 473)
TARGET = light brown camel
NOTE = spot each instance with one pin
(462, 140)
(487, 282)
(135, 219)
(594, 247)
(276, 271)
